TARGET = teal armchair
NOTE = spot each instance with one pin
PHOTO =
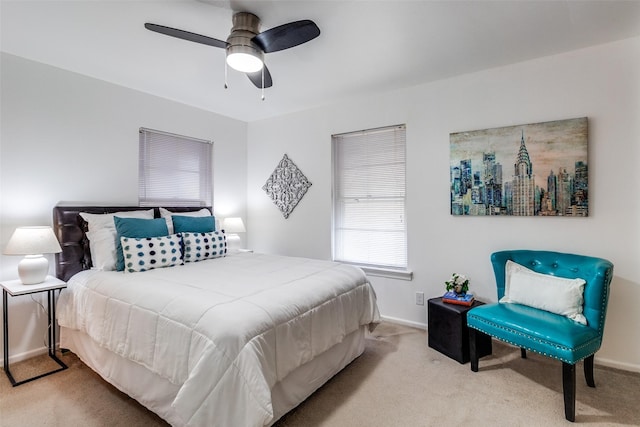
(544, 332)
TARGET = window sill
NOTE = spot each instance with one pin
(389, 273)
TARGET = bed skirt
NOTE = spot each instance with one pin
(157, 393)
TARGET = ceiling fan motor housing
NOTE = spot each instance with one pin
(245, 27)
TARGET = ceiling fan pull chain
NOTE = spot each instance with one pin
(263, 82)
(225, 75)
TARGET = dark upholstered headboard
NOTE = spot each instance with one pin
(70, 229)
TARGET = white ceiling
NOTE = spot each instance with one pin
(364, 46)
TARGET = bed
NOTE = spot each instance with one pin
(235, 340)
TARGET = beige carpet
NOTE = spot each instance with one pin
(398, 381)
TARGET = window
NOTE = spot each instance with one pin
(174, 170)
(369, 226)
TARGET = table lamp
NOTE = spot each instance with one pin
(32, 242)
(231, 227)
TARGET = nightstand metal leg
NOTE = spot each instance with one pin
(5, 320)
(52, 330)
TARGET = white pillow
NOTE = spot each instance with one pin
(201, 246)
(166, 214)
(555, 294)
(102, 236)
(147, 253)
(97, 221)
(102, 244)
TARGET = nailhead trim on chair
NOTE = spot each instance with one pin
(603, 307)
(561, 347)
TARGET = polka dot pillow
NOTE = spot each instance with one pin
(147, 253)
(201, 246)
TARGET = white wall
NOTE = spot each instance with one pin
(68, 138)
(600, 83)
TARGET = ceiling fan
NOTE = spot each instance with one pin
(246, 45)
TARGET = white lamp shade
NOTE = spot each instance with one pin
(233, 225)
(32, 242)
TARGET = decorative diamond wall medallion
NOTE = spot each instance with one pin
(286, 186)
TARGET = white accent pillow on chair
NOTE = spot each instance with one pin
(544, 291)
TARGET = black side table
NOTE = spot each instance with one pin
(448, 332)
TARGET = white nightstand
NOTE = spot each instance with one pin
(15, 288)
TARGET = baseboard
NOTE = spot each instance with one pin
(617, 365)
(15, 358)
(405, 322)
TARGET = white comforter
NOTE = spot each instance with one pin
(224, 330)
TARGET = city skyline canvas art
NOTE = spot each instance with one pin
(538, 169)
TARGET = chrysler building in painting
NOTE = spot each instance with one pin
(523, 184)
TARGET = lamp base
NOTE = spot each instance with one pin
(234, 244)
(33, 269)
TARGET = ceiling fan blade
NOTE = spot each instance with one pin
(256, 78)
(287, 35)
(186, 35)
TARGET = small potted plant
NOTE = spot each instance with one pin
(459, 283)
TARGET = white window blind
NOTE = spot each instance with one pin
(174, 170)
(369, 225)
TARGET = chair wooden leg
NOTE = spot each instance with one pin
(473, 351)
(569, 390)
(588, 371)
(523, 353)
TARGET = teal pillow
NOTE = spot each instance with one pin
(193, 224)
(139, 228)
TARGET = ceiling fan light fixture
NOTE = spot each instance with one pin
(244, 59)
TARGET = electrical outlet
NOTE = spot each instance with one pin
(419, 298)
